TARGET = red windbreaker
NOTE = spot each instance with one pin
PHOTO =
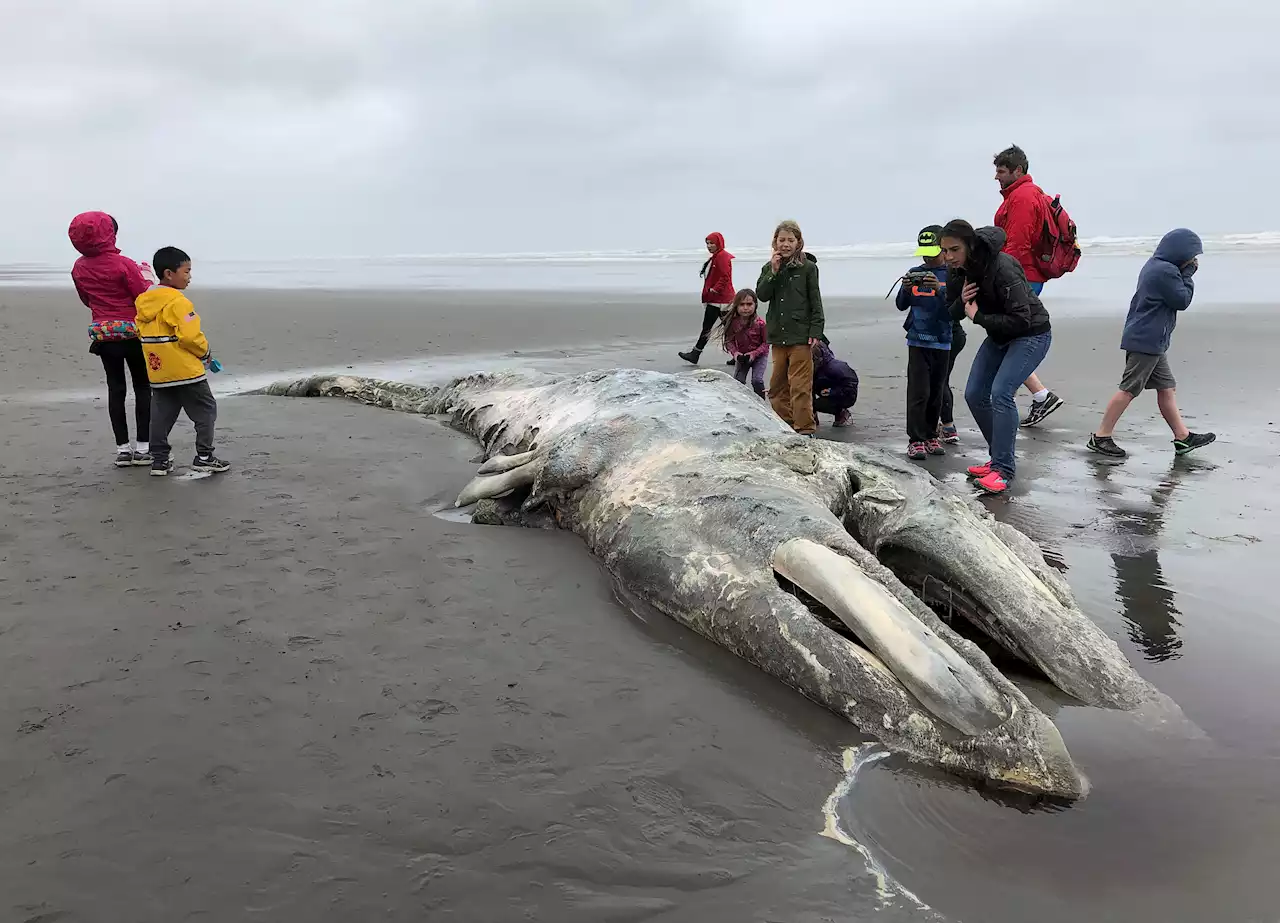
(718, 287)
(106, 281)
(1021, 216)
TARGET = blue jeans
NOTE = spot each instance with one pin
(1036, 287)
(994, 378)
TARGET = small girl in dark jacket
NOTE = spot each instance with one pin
(743, 332)
(835, 385)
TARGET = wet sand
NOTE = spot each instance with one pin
(294, 692)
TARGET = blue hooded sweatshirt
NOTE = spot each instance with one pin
(929, 322)
(1164, 289)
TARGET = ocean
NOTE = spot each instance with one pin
(1105, 276)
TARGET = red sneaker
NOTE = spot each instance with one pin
(993, 483)
(980, 471)
(916, 451)
(935, 447)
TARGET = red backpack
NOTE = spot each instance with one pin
(1059, 250)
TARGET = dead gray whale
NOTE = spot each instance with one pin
(802, 556)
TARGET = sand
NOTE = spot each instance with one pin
(294, 692)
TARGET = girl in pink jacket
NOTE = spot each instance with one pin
(108, 282)
(743, 331)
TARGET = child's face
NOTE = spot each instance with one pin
(787, 243)
(747, 308)
(178, 278)
(711, 246)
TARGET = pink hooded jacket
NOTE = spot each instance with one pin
(106, 281)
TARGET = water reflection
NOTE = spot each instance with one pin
(1144, 593)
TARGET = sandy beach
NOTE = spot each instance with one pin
(296, 693)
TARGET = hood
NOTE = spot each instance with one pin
(810, 257)
(154, 300)
(718, 239)
(822, 354)
(93, 233)
(1018, 183)
(994, 237)
(990, 241)
(1178, 246)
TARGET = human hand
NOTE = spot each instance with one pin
(776, 261)
(969, 292)
(814, 341)
(970, 309)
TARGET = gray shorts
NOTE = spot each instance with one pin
(1142, 370)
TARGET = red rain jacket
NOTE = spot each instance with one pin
(718, 287)
(106, 281)
(1021, 216)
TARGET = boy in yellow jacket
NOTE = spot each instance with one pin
(177, 355)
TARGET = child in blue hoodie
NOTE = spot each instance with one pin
(928, 327)
(1165, 288)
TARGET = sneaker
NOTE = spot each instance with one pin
(161, 468)
(1192, 442)
(993, 483)
(1105, 445)
(141, 459)
(1041, 409)
(692, 356)
(124, 458)
(917, 451)
(935, 447)
(948, 434)
(842, 418)
(212, 463)
(979, 471)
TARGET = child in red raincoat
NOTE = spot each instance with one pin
(717, 292)
(108, 282)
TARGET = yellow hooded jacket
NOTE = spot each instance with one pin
(172, 342)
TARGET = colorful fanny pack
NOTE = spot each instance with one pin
(113, 330)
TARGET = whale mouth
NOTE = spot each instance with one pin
(959, 610)
(933, 672)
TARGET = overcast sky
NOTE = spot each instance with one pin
(328, 127)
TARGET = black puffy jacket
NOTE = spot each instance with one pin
(1007, 308)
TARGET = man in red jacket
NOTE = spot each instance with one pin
(1022, 216)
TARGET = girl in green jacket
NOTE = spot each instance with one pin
(789, 282)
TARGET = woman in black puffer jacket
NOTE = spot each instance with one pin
(990, 288)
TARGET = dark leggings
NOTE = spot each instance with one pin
(710, 314)
(115, 355)
(958, 339)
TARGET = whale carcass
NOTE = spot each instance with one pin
(837, 569)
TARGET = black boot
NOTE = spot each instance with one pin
(692, 355)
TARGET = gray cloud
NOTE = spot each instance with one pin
(322, 128)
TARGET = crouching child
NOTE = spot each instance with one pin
(835, 384)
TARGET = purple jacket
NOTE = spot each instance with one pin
(833, 373)
(746, 338)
